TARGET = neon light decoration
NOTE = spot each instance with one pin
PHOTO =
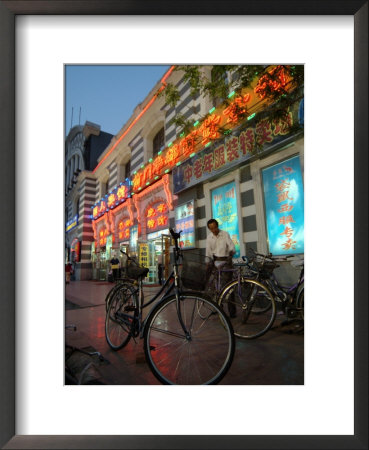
(157, 216)
(218, 123)
(115, 198)
(231, 151)
(124, 229)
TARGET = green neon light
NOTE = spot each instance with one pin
(227, 132)
(207, 145)
(166, 171)
(250, 117)
(192, 154)
(157, 177)
(196, 123)
(182, 134)
(231, 94)
(142, 166)
(150, 160)
(211, 110)
(147, 183)
(161, 151)
(134, 173)
(178, 163)
(170, 143)
(139, 188)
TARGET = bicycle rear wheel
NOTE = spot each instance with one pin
(255, 308)
(121, 316)
(203, 356)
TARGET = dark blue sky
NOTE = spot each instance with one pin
(107, 94)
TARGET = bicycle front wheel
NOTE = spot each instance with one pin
(252, 306)
(203, 355)
(121, 316)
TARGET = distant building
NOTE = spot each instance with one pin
(83, 146)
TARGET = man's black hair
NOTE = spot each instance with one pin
(213, 221)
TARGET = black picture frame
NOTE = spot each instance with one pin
(8, 11)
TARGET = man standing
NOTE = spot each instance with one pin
(114, 262)
(220, 248)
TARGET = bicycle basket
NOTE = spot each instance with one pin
(266, 266)
(133, 270)
(195, 271)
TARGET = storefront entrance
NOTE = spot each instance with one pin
(158, 256)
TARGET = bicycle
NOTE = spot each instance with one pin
(180, 347)
(290, 299)
(253, 304)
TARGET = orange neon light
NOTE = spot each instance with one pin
(218, 125)
(154, 97)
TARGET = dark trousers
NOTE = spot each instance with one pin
(225, 278)
(115, 274)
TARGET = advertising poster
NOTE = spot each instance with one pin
(185, 221)
(284, 207)
(224, 208)
(133, 239)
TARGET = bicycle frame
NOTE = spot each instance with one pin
(163, 293)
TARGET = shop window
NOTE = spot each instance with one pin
(158, 142)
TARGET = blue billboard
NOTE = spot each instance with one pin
(284, 207)
(185, 221)
(224, 210)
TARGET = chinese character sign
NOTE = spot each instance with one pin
(284, 207)
(185, 221)
(144, 255)
(224, 208)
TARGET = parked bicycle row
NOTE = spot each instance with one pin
(188, 333)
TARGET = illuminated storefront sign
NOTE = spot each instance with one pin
(143, 255)
(231, 151)
(224, 210)
(284, 204)
(103, 234)
(72, 223)
(115, 197)
(124, 229)
(156, 216)
(185, 221)
(219, 122)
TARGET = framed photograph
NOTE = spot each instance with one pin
(37, 38)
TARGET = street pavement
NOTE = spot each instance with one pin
(277, 358)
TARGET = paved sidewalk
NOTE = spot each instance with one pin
(277, 358)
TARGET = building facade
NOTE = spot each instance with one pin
(238, 164)
(83, 146)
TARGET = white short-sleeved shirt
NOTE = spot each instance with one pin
(220, 245)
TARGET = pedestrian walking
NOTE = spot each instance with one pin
(220, 248)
